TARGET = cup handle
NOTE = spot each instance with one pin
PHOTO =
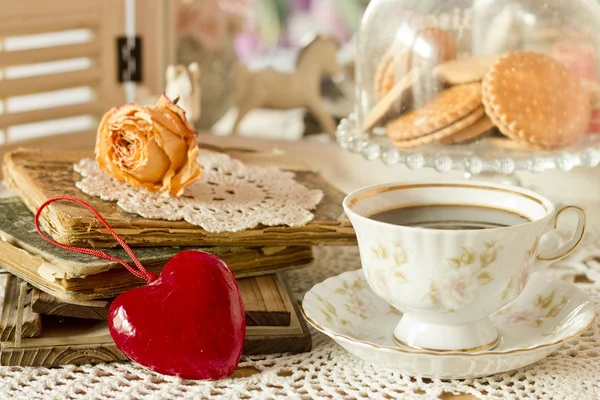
(554, 255)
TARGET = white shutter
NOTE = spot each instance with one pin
(58, 66)
(58, 69)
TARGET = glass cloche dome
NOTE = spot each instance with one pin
(478, 85)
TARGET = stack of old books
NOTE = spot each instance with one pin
(56, 302)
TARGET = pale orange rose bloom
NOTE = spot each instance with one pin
(149, 147)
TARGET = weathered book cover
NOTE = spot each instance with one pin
(38, 175)
(265, 303)
(73, 276)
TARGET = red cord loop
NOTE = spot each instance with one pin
(140, 271)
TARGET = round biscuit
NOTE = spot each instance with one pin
(465, 70)
(509, 140)
(446, 108)
(510, 144)
(392, 67)
(382, 74)
(390, 102)
(443, 44)
(513, 142)
(401, 58)
(479, 128)
(532, 97)
(443, 133)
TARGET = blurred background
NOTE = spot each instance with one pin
(63, 63)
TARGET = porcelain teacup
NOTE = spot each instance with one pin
(448, 282)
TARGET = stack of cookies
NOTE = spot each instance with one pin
(520, 100)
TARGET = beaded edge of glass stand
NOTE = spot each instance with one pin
(349, 138)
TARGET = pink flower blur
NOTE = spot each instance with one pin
(211, 22)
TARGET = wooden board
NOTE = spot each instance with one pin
(293, 339)
(46, 304)
(37, 175)
(76, 277)
(77, 341)
(264, 301)
(31, 321)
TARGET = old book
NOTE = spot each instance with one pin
(77, 341)
(264, 301)
(14, 308)
(38, 175)
(77, 277)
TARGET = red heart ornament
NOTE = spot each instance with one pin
(190, 322)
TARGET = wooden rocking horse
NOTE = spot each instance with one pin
(269, 88)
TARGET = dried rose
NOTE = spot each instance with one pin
(149, 147)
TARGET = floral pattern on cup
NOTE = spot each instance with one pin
(456, 289)
(527, 270)
(379, 281)
(394, 311)
(398, 255)
(509, 289)
(380, 252)
(395, 251)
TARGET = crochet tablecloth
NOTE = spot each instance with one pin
(328, 371)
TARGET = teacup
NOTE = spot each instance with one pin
(448, 282)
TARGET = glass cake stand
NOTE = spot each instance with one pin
(477, 159)
(464, 84)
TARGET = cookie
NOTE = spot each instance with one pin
(434, 45)
(384, 79)
(394, 63)
(429, 46)
(465, 70)
(446, 108)
(533, 98)
(383, 75)
(510, 144)
(390, 101)
(456, 127)
(470, 133)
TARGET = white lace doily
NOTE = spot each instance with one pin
(328, 371)
(230, 197)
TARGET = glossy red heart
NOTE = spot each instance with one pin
(190, 322)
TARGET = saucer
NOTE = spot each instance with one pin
(547, 313)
